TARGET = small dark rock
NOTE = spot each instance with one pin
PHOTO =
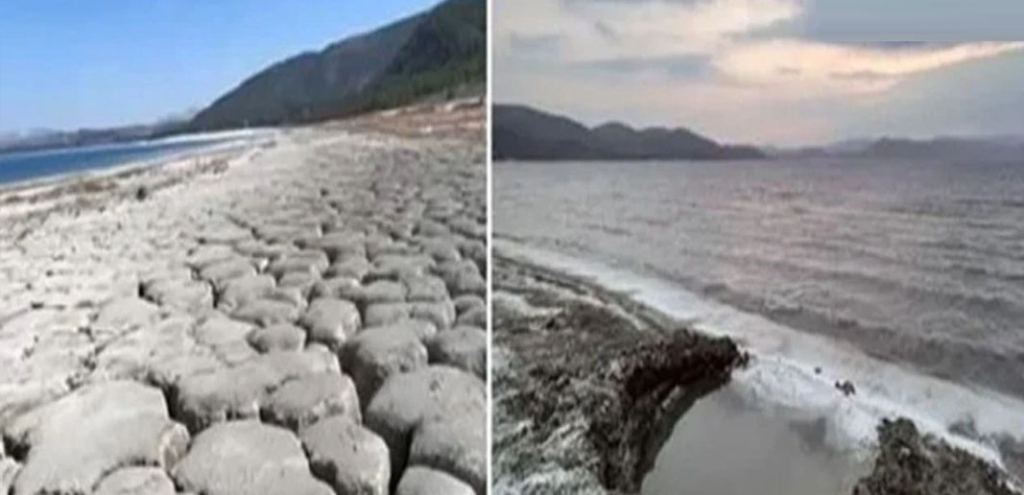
(846, 387)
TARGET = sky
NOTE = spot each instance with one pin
(67, 64)
(769, 72)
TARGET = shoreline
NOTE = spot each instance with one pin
(221, 145)
(26, 203)
(981, 423)
(226, 135)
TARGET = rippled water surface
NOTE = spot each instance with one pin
(20, 166)
(920, 263)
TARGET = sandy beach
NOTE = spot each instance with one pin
(222, 323)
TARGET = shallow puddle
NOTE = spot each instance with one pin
(721, 447)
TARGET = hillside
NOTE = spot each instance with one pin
(428, 53)
(523, 133)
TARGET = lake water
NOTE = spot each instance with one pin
(919, 263)
(27, 165)
(720, 447)
(904, 277)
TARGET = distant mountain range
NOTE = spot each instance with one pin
(995, 148)
(432, 52)
(524, 133)
(46, 138)
(441, 52)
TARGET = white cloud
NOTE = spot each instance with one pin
(601, 30)
(787, 90)
(740, 114)
(826, 68)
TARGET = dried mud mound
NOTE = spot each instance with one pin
(586, 389)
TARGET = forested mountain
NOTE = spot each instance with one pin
(432, 52)
(523, 133)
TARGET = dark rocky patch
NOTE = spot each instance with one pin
(588, 371)
(910, 463)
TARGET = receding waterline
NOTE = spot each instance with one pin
(793, 373)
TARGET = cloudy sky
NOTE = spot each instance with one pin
(782, 72)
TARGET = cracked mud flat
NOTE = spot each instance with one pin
(305, 316)
(587, 386)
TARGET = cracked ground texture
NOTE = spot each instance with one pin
(302, 316)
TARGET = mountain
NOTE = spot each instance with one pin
(428, 53)
(46, 139)
(996, 148)
(947, 148)
(526, 134)
(523, 133)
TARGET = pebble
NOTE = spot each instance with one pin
(305, 400)
(350, 457)
(247, 458)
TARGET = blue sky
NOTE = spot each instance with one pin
(782, 72)
(66, 64)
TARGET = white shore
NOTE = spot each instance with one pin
(221, 142)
